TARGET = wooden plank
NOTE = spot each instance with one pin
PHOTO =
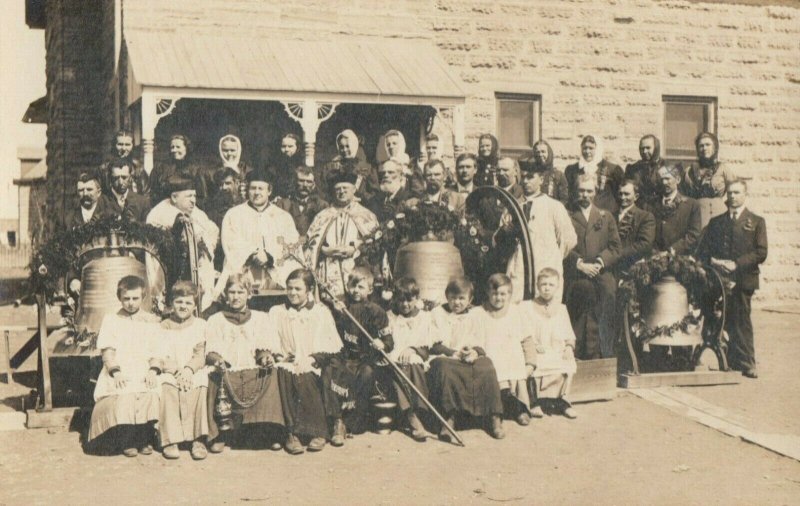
(58, 417)
(787, 445)
(670, 379)
(594, 380)
(44, 371)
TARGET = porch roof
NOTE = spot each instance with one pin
(341, 69)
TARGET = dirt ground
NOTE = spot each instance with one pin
(626, 451)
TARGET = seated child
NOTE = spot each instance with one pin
(308, 338)
(505, 328)
(239, 346)
(462, 378)
(184, 390)
(351, 374)
(411, 331)
(126, 393)
(550, 351)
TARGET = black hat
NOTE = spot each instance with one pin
(342, 177)
(259, 175)
(178, 184)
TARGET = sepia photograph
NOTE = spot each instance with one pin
(400, 252)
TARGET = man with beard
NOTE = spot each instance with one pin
(282, 168)
(508, 175)
(466, 168)
(122, 151)
(121, 200)
(393, 194)
(550, 228)
(592, 287)
(644, 172)
(736, 243)
(174, 214)
(90, 208)
(435, 192)
(303, 203)
(678, 222)
(336, 233)
(554, 184)
(226, 196)
(637, 227)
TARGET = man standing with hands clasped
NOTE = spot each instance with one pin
(736, 243)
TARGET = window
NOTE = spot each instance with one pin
(684, 118)
(518, 122)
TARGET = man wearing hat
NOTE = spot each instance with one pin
(179, 210)
(258, 232)
(336, 233)
(549, 226)
(677, 216)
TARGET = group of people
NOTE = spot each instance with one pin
(588, 225)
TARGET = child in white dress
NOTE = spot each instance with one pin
(550, 351)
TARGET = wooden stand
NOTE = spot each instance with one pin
(678, 379)
(595, 380)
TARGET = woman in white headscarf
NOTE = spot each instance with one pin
(230, 152)
(349, 162)
(609, 175)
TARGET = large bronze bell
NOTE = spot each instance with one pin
(99, 280)
(667, 303)
(432, 264)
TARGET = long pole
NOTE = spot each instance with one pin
(391, 362)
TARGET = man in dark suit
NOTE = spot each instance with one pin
(736, 243)
(637, 227)
(90, 205)
(121, 199)
(678, 222)
(591, 288)
(393, 194)
(303, 202)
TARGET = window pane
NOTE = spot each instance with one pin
(516, 123)
(683, 122)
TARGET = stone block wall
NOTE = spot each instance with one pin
(601, 66)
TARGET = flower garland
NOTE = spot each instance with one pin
(62, 253)
(647, 272)
(431, 222)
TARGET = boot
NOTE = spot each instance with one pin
(496, 427)
(418, 432)
(339, 433)
(293, 446)
(444, 434)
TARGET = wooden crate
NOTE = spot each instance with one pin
(595, 380)
(678, 379)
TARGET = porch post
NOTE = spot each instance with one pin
(310, 114)
(153, 109)
(459, 144)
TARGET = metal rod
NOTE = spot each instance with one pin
(391, 362)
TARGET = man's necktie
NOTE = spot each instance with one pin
(526, 208)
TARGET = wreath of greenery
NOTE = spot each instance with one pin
(62, 253)
(647, 272)
(428, 222)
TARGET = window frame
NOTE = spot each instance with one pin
(710, 103)
(535, 101)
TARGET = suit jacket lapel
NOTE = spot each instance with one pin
(594, 216)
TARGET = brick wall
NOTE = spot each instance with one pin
(601, 66)
(79, 69)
